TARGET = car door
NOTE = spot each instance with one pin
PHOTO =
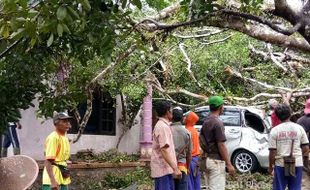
(255, 132)
(231, 118)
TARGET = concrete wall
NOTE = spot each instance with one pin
(32, 136)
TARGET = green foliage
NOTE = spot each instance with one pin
(118, 180)
(138, 176)
(200, 7)
(63, 45)
(158, 5)
(74, 38)
(111, 156)
(251, 6)
(20, 80)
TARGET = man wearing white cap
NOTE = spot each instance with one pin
(183, 148)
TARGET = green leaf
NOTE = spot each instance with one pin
(158, 4)
(124, 3)
(65, 28)
(21, 19)
(73, 13)
(17, 34)
(33, 41)
(61, 13)
(86, 5)
(137, 3)
(60, 29)
(4, 31)
(50, 40)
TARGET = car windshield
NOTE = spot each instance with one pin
(229, 117)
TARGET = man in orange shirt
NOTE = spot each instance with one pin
(194, 173)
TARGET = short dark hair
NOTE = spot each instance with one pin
(214, 108)
(162, 107)
(283, 112)
(177, 115)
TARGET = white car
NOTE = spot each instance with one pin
(247, 132)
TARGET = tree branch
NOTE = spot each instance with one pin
(292, 60)
(166, 12)
(87, 114)
(264, 21)
(189, 64)
(113, 64)
(198, 35)
(188, 93)
(159, 60)
(235, 73)
(216, 41)
(92, 85)
(254, 98)
(274, 59)
(8, 49)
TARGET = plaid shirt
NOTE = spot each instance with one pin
(162, 136)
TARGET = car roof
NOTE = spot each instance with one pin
(235, 108)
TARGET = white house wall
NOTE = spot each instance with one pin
(32, 136)
(130, 142)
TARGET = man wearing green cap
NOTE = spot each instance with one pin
(217, 155)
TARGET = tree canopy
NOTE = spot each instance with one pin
(60, 51)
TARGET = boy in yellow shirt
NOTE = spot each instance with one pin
(57, 152)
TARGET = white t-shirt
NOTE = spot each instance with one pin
(281, 138)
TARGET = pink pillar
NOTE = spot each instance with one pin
(146, 140)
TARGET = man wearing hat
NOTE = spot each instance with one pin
(217, 155)
(57, 152)
(304, 121)
(183, 148)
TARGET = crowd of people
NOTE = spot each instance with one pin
(176, 150)
(180, 154)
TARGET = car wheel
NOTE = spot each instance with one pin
(245, 161)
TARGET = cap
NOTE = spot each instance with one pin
(177, 114)
(216, 101)
(307, 107)
(178, 108)
(60, 116)
(272, 103)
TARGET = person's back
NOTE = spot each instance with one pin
(213, 131)
(285, 133)
(181, 139)
(9, 138)
(217, 154)
(190, 121)
(288, 151)
(304, 121)
(183, 148)
(194, 182)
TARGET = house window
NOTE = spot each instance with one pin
(102, 118)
